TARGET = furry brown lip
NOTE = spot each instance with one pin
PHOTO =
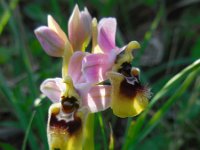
(70, 127)
(130, 89)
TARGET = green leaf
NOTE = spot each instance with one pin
(28, 130)
(89, 133)
(5, 55)
(157, 142)
(150, 2)
(102, 125)
(34, 11)
(195, 51)
(6, 146)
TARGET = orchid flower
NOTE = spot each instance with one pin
(72, 96)
(54, 88)
(115, 64)
(80, 91)
(72, 99)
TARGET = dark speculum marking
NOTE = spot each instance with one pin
(69, 104)
(70, 127)
(125, 69)
(130, 86)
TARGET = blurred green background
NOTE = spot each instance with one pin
(169, 33)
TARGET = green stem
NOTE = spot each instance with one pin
(89, 133)
(102, 130)
(112, 141)
(28, 131)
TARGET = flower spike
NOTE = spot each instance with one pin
(84, 87)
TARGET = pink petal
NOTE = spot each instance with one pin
(86, 20)
(52, 88)
(79, 28)
(50, 41)
(106, 34)
(95, 67)
(75, 67)
(52, 24)
(97, 98)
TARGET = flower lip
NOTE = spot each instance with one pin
(129, 97)
(130, 87)
(61, 125)
(69, 105)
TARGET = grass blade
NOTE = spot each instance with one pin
(16, 108)
(28, 131)
(102, 130)
(89, 133)
(7, 14)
